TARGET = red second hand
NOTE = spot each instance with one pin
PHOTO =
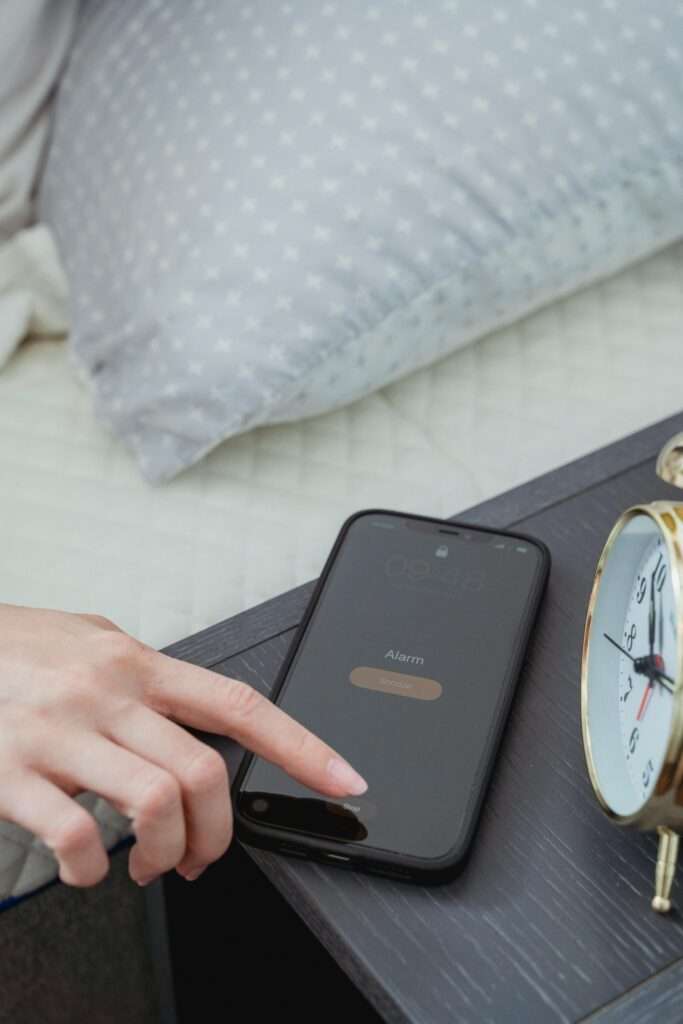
(644, 701)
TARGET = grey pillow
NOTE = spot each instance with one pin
(267, 210)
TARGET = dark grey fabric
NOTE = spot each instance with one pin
(78, 955)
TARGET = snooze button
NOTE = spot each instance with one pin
(398, 683)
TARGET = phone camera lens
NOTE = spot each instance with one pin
(259, 805)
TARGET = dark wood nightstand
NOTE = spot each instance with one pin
(551, 920)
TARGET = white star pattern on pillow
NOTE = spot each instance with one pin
(269, 209)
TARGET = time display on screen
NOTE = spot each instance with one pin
(402, 569)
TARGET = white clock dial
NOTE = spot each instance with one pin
(632, 667)
(645, 701)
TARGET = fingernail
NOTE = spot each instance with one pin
(344, 775)
(192, 875)
(147, 881)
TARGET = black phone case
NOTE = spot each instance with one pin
(346, 854)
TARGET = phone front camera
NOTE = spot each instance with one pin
(259, 805)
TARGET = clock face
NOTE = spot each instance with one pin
(632, 666)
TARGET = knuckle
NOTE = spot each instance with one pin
(74, 835)
(160, 796)
(222, 845)
(12, 777)
(23, 732)
(103, 621)
(243, 700)
(98, 620)
(119, 650)
(210, 848)
(75, 688)
(97, 875)
(106, 623)
(302, 744)
(206, 772)
(83, 876)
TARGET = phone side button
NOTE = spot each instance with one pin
(337, 856)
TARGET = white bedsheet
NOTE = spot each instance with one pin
(33, 289)
(82, 531)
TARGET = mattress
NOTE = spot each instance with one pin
(82, 530)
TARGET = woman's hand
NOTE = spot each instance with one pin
(84, 706)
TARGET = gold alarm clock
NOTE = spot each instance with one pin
(632, 673)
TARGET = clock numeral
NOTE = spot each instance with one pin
(660, 578)
(630, 637)
(633, 740)
(627, 693)
(642, 589)
(647, 773)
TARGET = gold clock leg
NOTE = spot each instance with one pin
(667, 855)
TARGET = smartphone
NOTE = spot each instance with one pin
(405, 662)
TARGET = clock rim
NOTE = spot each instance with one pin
(660, 807)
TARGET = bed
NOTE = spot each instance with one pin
(83, 531)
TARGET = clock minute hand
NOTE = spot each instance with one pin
(651, 624)
(657, 673)
(618, 646)
(652, 616)
(664, 679)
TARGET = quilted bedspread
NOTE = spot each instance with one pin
(82, 531)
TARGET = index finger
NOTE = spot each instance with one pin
(216, 703)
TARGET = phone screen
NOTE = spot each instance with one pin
(403, 668)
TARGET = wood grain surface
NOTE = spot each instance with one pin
(551, 919)
(657, 1001)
